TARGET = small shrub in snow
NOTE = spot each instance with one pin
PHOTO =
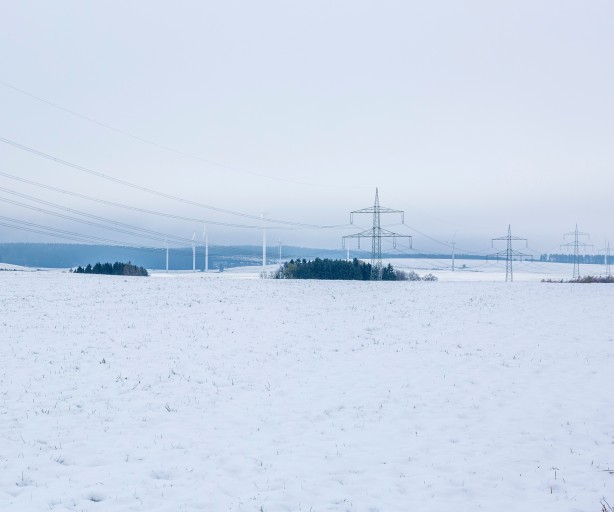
(413, 276)
(585, 279)
(593, 279)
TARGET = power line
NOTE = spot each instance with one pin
(410, 206)
(20, 225)
(169, 148)
(69, 235)
(444, 244)
(144, 233)
(141, 210)
(115, 225)
(152, 191)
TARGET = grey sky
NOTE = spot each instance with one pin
(468, 115)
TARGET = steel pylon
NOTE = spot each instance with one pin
(376, 233)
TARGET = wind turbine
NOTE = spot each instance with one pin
(167, 256)
(453, 244)
(193, 253)
(205, 240)
(263, 245)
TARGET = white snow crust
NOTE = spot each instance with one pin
(192, 393)
(13, 268)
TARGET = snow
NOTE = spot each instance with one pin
(493, 270)
(208, 392)
(15, 268)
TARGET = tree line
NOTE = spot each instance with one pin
(342, 270)
(591, 259)
(115, 269)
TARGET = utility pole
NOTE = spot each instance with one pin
(347, 257)
(576, 244)
(376, 233)
(279, 243)
(509, 252)
(167, 256)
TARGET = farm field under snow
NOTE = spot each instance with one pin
(192, 393)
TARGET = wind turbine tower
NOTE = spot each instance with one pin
(453, 244)
(263, 246)
(606, 259)
(206, 241)
(193, 252)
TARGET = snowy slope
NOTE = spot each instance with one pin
(8, 266)
(234, 394)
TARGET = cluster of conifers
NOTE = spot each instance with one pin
(343, 270)
(115, 269)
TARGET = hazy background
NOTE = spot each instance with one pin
(468, 115)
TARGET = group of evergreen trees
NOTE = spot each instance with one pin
(338, 269)
(115, 269)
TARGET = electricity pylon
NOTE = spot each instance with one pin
(509, 252)
(576, 244)
(376, 233)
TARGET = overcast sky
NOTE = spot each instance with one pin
(468, 115)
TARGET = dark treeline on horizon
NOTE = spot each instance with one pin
(73, 255)
(55, 255)
(354, 270)
(589, 259)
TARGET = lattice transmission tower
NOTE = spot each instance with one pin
(376, 233)
(509, 252)
(576, 244)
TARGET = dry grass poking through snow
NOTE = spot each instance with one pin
(212, 394)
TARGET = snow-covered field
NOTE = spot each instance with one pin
(200, 392)
(14, 268)
(493, 270)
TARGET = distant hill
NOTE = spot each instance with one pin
(12, 268)
(73, 255)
